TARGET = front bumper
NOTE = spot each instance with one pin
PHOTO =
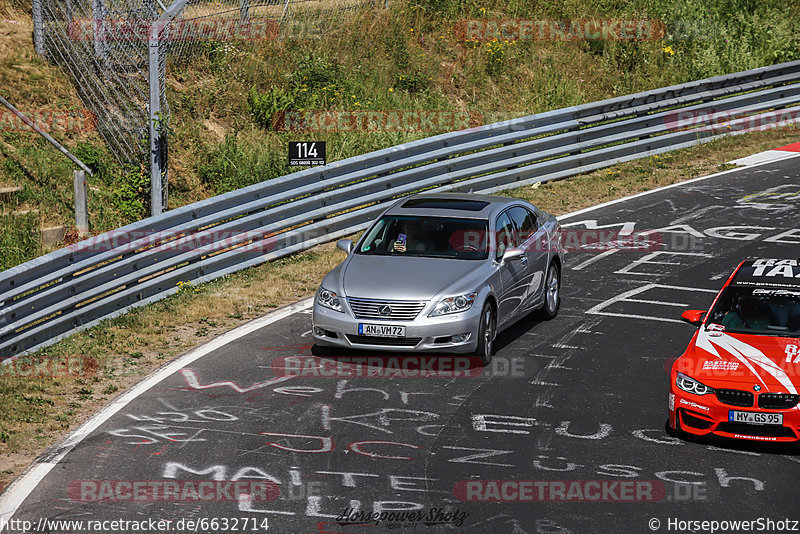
(423, 333)
(704, 415)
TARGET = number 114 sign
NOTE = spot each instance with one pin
(310, 153)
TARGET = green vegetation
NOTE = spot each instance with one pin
(19, 239)
(227, 99)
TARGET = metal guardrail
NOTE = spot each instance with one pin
(74, 288)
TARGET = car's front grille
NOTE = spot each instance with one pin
(384, 341)
(771, 431)
(398, 310)
(735, 397)
(778, 401)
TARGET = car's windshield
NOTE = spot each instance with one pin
(765, 311)
(435, 237)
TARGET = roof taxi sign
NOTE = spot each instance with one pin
(769, 272)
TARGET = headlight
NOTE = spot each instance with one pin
(329, 299)
(453, 305)
(692, 386)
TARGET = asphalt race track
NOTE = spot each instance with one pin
(580, 398)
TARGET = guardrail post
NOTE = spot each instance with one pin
(81, 202)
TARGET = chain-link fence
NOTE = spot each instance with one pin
(114, 49)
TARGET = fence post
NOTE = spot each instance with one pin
(154, 126)
(244, 9)
(99, 31)
(156, 122)
(81, 203)
(38, 27)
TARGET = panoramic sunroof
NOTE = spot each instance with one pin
(446, 204)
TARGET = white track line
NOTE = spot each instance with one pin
(643, 193)
(19, 490)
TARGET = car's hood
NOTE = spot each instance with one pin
(716, 358)
(402, 277)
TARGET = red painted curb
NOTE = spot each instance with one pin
(794, 147)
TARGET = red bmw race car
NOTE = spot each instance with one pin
(740, 374)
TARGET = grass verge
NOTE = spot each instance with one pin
(119, 352)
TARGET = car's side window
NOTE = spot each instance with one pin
(504, 235)
(525, 223)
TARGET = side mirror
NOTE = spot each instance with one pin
(345, 245)
(694, 317)
(512, 254)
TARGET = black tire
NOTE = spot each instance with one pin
(676, 432)
(486, 333)
(552, 293)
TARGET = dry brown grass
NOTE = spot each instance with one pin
(275, 11)
(130, 347)
(26, 80)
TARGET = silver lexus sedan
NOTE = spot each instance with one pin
(441, 272)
